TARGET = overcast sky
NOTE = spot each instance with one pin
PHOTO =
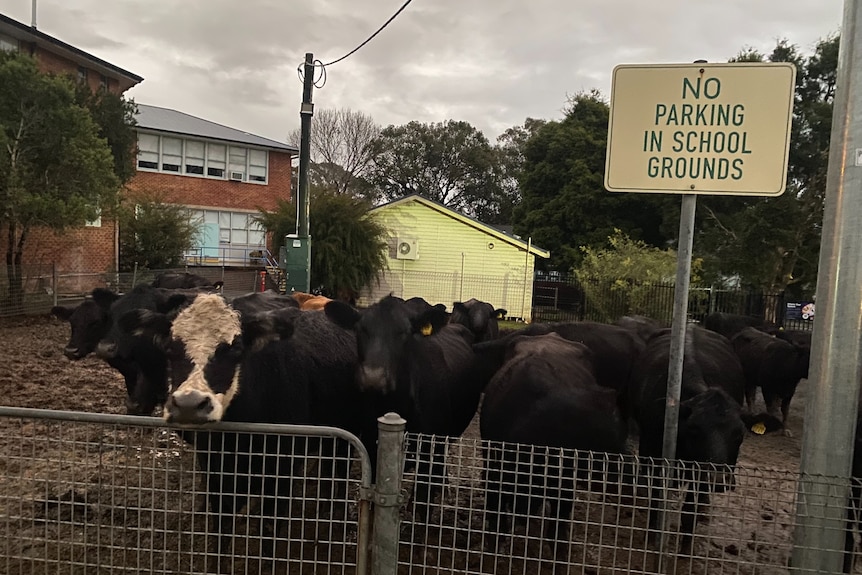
(492, 63)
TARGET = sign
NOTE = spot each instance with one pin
(799, 310)
(700, 128)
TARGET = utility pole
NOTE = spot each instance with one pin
(295, 255)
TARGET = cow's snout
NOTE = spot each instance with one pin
(106, 350)
(189, 406)
(72, 352)
(375, 379)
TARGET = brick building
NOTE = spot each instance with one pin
(225, 176)
(222, 174)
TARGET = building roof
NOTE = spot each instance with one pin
(167, 120)
(488, 229)
(24, 33)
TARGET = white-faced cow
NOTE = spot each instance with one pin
(278, 366)
(479, 317)
(546, 394)
(415, 363)
(710, 428)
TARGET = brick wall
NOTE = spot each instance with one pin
(223, 194)
(88, 249)
(56, 64)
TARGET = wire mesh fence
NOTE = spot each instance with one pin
(521, 509)
(81, 493)
(88, 493)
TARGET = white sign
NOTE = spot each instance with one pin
(700, 128)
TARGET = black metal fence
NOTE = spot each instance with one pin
(607, 301)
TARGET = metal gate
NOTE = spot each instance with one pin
(91, 493)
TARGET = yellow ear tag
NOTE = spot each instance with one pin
(426, 329)
(759, 428)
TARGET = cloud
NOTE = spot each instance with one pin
(491, 63)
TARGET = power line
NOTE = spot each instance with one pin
(318, 63)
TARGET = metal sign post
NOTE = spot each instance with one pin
(836, 351)
(720, 129)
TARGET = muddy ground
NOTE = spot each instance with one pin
(94, 498)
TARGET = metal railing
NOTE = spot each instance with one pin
(82, 493)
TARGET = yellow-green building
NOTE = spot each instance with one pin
(443, 256)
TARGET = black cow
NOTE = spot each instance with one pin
(545, 394)
(729, 324)
(95, 330)
(480, 317)
(184, 280)
(277, 366)
(615, 350)
(774, 365)
(710, 429)
(642, 325)
(415, 363)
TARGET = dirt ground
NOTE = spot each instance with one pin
(749, 529)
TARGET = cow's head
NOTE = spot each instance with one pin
(711, 429)
(90, 322)
(205, 345)
(384, 333)
(479, 316)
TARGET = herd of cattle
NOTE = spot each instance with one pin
(267, 357)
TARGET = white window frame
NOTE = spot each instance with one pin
(245, 152)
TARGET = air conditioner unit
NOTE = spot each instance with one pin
(407, 249)
(237, 176)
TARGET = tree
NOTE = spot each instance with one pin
(773, 244)
(154, 234)
(55, 170)
(449, 162)
(564, 203)
(630, 277)
(348, 248)
(510, 148)
(341, 153)
(115, 117)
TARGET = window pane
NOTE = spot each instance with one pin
(238, 159)
(148, 143)
(239, 221)
(224, 219)
(172, 154)
(257, 158)
(224, 236)
(216, 154)
(238, 237)
(255, 237)
(211, 217)
(256, 174)
(194, 157)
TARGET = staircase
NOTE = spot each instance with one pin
(274, 272)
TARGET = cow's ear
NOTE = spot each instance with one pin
(500, 313)
(460, 308)
(261, 329)
(341, 313)
(104, 297)
(61, 312)
(145, 323)
(431, 320)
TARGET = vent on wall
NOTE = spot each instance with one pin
(407, 249)
(237, 176)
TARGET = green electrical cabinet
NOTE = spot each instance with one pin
(295, 259)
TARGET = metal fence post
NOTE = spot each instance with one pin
(387, 499)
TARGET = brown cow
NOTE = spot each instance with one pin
(309, 301)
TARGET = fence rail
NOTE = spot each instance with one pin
(85, 493)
